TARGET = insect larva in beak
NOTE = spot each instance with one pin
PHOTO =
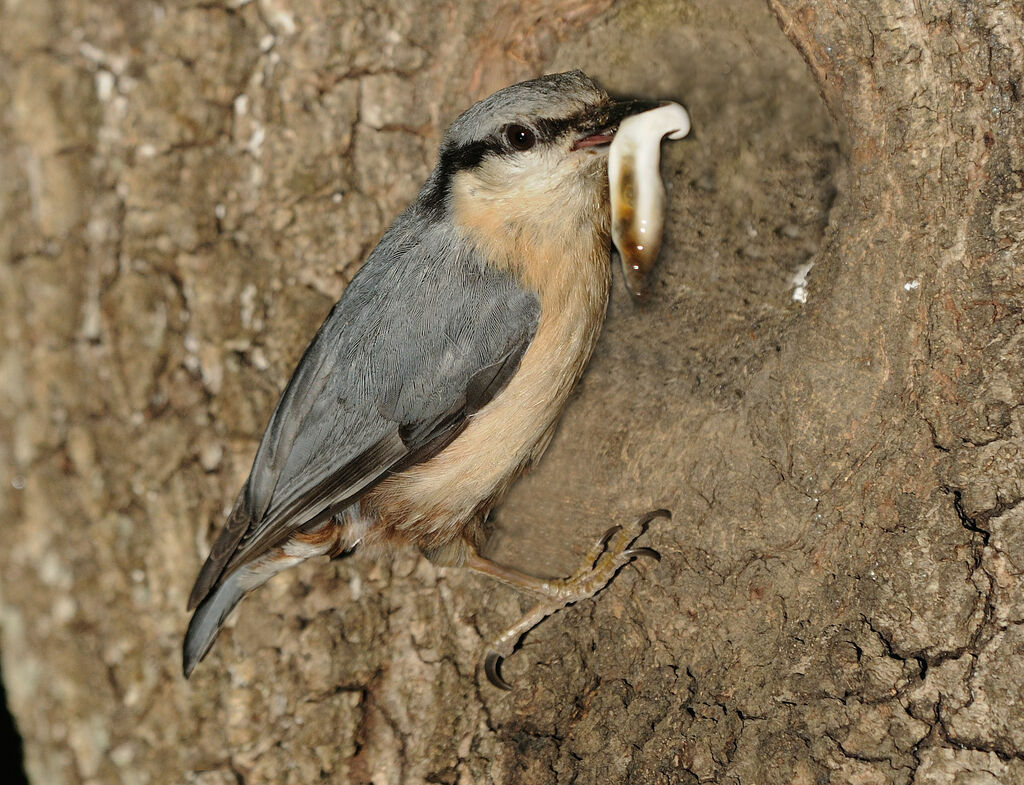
(637, 193)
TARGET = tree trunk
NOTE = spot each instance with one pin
(185, 190)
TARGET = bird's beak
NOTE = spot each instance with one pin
(600, 129)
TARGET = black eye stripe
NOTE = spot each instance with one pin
(455, 159)
(550, 129)
(472, 154)
(469, 156)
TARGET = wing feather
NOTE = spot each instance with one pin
(424, 336)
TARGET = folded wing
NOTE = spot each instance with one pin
(424, 337)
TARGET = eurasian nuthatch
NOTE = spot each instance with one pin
(439, 375)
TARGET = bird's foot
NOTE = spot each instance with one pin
(607, 556)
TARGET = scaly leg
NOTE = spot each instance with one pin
(603, 560)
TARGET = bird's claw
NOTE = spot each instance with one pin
(492, 667)
(647, 517)
(648, 552)
(603, 561)
(608, 535)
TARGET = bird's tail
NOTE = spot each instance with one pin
(323, 538)
(208, 618)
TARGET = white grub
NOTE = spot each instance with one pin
(637, 193)
(799, 282)
(910, 286)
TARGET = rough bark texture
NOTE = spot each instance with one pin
(185, 189)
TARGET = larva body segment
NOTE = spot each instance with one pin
(637, 193)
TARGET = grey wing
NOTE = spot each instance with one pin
(423, 338)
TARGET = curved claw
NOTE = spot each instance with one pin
(650, 516)
(608, 535)
(649, 552)
(492, 665)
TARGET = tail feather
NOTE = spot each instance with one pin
(208, 619)
(218, 600)
(224, 547)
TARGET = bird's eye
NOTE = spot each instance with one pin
(519, 137)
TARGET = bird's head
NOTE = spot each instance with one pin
(531, 155)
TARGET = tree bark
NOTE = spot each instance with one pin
(185, 190)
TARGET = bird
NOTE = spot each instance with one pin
(439, 375)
